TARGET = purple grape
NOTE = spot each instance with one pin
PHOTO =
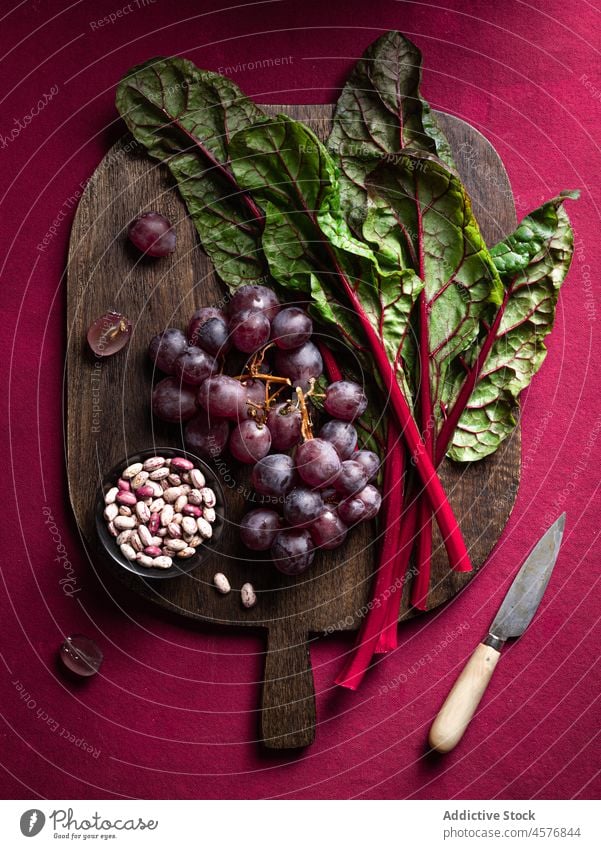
(293, 551)
(249, 331)
(302, 506)
(360, 507)
(173, 401)
(223, 396)
(274, 475)
(166, 347)
(206, 436)
(213, 336)
(342, 435)
(250, 441)
(351, 480)
(284, 422)
(194, 365)
(109, 333)
(370, 462)
(200, 317)
(255, 299)
(259, 529)
(152, 234)
(291, 328)
(300, 364)
(255, 397)
(317, 462)
(345, 400)
(328, 530)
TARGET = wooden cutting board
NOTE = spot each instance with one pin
(108, 417)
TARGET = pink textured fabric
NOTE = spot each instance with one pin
(174, 711)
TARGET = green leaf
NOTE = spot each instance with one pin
(421, 217)
(306, 241)
(379, 113)
(533, 261)
(185, 117)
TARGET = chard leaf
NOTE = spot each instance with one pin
(379, 113)
(308, 244)
(185, 117)
(421, 217)
(533, 262)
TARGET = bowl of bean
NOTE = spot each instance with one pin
(160, 513)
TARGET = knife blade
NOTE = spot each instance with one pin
(513, 617)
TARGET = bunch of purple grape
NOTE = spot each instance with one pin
(321, 484)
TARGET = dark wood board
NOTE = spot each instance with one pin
(108, 417)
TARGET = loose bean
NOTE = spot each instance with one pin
(248, 595)
(222, 583)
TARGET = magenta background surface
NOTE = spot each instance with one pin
(174, 711)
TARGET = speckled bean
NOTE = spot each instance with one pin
(248, 595)
(186, 552)
(123, 523)
(153, 463)
(197, 479)
(181, 464)
(128, 551)
(110, 496)
(209, 514)
(208, 496)
(222, 583)
(180, 504)
(172, 493)
(204, 528)
(131, 471)
(167, 514)
(145, 535)
(159, 474)
(110, 512)
(162, 562)
(126, 498)
(142, 511)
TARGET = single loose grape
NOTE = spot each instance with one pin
(109, 334)
(152, 234)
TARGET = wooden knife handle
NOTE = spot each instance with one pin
(461, 703)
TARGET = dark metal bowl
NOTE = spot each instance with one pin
(180, 567)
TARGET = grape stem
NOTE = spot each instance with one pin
(306, 423)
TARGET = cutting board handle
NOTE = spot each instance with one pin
(288, 702)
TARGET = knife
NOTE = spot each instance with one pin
(515, 614)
